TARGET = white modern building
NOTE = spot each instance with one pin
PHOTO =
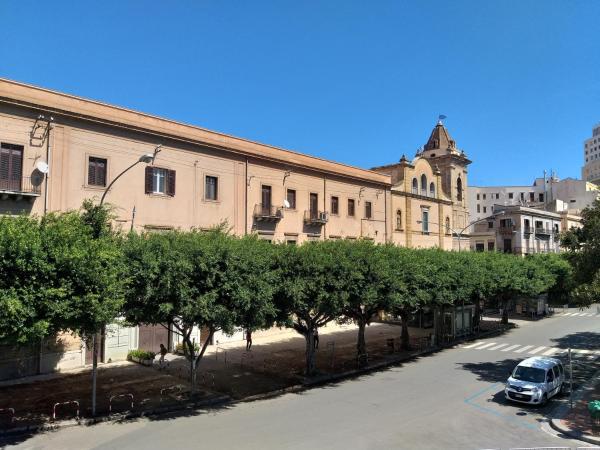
(518, 229)
(551, 193)
(591, 156)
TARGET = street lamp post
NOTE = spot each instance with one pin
(459, 233)
(147, 158)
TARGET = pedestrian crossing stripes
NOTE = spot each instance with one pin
(541, 350)
(578, 314)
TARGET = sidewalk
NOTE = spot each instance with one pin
(577, 422)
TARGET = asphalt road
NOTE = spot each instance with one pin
(450, 400)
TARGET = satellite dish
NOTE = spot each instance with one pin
(42, 166)
(286, 203)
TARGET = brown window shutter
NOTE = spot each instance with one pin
(91, 172)
(101, 172)
(149, 171)
(171, 183)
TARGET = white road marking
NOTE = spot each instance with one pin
(581, 351)
(551, 352)
(486, 346)
(473, 345)
(497, 347)
(527, 347)
(539, 349)
(512, 347)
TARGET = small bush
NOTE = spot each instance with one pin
(141, 354)
(180, 348)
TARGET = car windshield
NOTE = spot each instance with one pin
(529, 374)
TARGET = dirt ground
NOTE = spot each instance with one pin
(274, 362)
(579, 418)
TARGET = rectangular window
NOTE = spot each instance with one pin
(541, 197)
(510, 195)
(490, 224)
(368, 210)
(335, 206)
(484, 195)
(351, 207)
(523, 196)
(532, 196)
(11, 166)
(485, 209)
(477, 196)
(291, 198)
(313, 204)
(479, 246)
(160, 181)
(478, 208)
(211, 188)
(266, 197)
(97, 171)
(491, 246)
(497, 196)
(425, 221)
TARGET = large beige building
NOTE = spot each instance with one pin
(56, 150)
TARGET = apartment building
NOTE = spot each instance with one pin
(56, 150)
(549, 193)
(520, 230)
(591, 155)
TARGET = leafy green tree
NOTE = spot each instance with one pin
(312, 290)
(204, 280)
(583, 252)
(366, 273)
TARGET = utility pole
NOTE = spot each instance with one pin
(570, 380)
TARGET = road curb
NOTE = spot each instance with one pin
(561, 412)
(18, 431)
(225, 399)
(557, 425)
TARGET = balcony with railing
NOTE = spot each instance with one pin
(506, 230)
(267, 213)
(315, 217)
(23, 186)
(543, 233)
(527, 231)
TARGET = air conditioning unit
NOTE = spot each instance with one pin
(324, 216)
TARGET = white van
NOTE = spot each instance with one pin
(535, 380)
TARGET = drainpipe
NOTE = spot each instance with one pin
(48, 156)
(246, 198)
(325, 205)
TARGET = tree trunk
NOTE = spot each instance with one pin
(361, 345)
(477, 316)
(94, 371)
(310, 353)
(405, 344)
(504, 320)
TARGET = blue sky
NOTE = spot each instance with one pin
(354, 81)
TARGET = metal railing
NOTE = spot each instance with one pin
(542, 231)
(316, 217)
(267, 212)
(23, 185)
(506, 229)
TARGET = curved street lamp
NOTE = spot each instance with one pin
(459, 233)
(147, 158)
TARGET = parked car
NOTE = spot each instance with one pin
(535, 380)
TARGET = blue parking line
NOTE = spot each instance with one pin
(516, 420)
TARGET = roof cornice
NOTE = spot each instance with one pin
(21, 94)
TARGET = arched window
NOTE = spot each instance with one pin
(432, 190)
(415, 186)
(459, 190)
(447, 225)
(398, 220)
(423, 185)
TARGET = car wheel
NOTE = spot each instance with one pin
(544, 400)
(563, 389)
